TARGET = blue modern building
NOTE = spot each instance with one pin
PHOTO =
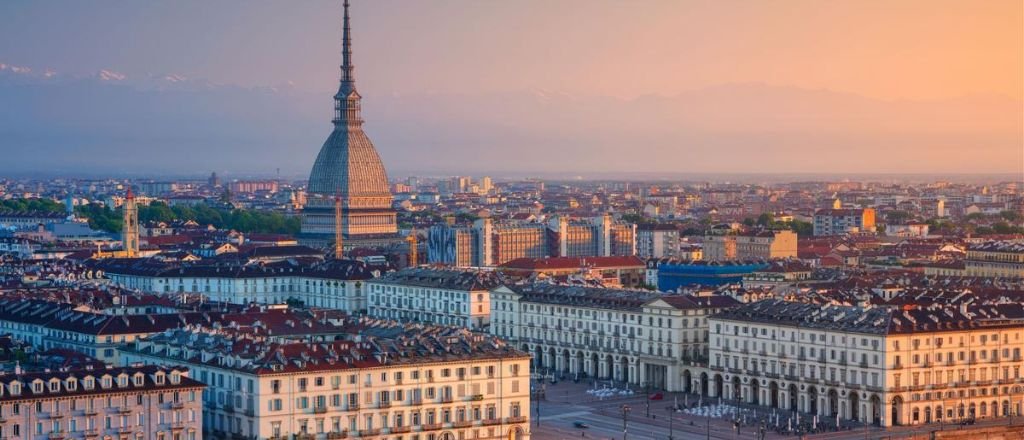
(673, 274)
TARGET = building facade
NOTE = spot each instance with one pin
(387, 382)
(1002, 259)
(843, 221)
(489, 243)
(657, 241)
(141, 402)
(436, 296)
(756, 245)
(335, 284)
(875, 365)
(635, 336)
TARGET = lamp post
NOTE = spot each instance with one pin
(625, 413)
(647, 397)
(671, 419)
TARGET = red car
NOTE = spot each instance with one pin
(656, 396)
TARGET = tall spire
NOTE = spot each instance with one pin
(346, 50)
(346, 101)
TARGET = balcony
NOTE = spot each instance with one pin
(490, 422)
(319, 409)
(178, 426)
(56, 415)
(517, 419)
(416, 402)
(57, 435)
(92, 433)
(897, 366)
(352, 407)
(177, 405)
(124, 430)
(400, 429)
(384, 405)
(462, 424)
(863, 364)
(369, 432)
(430, 427)
(337, 435)
(228, 408)
(476, 397)
(446, 399)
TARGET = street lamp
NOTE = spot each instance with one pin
(625, 413)
(647, 397)
(670, 421)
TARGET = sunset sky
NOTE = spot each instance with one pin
(932, 86)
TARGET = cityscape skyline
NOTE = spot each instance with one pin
(530, 220)
(429, 114)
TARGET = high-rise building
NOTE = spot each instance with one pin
(349, 167)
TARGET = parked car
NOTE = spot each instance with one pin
(656, 396)
(580, 425)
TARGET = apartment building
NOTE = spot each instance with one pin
(436, 296)
(335, 284)
(753, 245)
(636, 336)
(138, 402)
(876, 365)
(843, 221)
(1003, 259)
(384, 381)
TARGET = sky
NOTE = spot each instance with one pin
(460, 86)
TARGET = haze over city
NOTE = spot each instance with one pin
(511, 220)
(587, 88)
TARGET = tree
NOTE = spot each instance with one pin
(1010, 216)
(765, 220)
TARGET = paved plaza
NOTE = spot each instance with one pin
(566, 403)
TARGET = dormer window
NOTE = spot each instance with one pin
(122, 380)
(72, 384)
(89, 383)
(37, 387)
(175, 377)
(15, 388)
(107, 381)
(54, 386)
(138, 380)
(159, 378)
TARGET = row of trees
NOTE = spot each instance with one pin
(107, 219)
(111, 220)
(45, 205)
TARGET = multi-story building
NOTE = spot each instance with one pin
(382, 381)
(252, 186)
(437, 296)
(993, 259)
(489, 243)
(754, 245)
(876, 365)
(843, 221)
(335, 284)
(636, 336)
(657, 241)
(138, 402)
